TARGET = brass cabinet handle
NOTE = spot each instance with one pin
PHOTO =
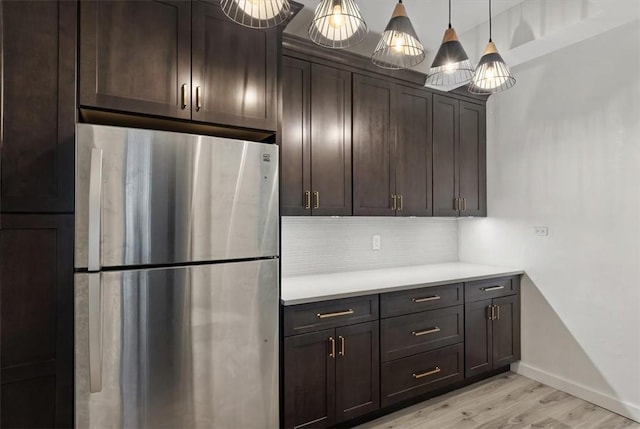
(198, 98)
(492, 288)
(342, 348)
(490, 312)
(336, 314)
(394, 205)
(497, 312)
(425, 332)
(426, 298)
(307, 196)
(464, 204)
(332, 348)
(316, 196)
(183, 103)
(426, 374)
(456, 204)
(401, 203)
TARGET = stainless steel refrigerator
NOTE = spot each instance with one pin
(176, 282)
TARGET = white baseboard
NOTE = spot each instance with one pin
(603, 400)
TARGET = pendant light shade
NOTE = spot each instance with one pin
(451, 66)
(337, 24)
(257, 13)
(399, 46)
(492, 74)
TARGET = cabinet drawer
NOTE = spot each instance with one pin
(491, 288)
(406, 378)
(416, 300)
(420, 332)
(299, 319)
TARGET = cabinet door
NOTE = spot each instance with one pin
(38, 106)
(374, 176)
(234, 69)
(330, 141)
(357, 370)
(478, 341)
(36, 275)
(310, 380)
(135, 56)
(506, 331)
(412, 118)
(295, 171)
(445, 166)
(472, 159)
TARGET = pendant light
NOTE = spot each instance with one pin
(399, 46)
(492, 74)
(337, 24)
(257, 13)
(451, 65)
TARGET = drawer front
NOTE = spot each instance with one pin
(420, 332)
(300, 319)
(491, 288)
(406, 378)
(416, 300)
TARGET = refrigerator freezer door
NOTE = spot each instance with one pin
(188, 347)
(173, 198)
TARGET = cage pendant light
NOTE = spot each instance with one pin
(399, 46)
(257, 13)
(451, 66)
(337, 24)
(492, 74)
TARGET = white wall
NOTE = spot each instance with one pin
(564, 152)
(323, 244)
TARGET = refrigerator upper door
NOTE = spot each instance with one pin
(187, 347)
(154, 197)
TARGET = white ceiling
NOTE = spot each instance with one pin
(429, 17)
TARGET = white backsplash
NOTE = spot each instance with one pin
(312, 245)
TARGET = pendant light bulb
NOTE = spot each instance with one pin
(492, 74)
(399, 46)
(257, 13)
(451, 66)
(337, 24)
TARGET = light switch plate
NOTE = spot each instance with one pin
(375, 242)
(542, 231)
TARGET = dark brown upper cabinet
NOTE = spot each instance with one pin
(316, 140)
(392, 149)
(234, 71)
(177, 59)
(38, 106)
(459, 158)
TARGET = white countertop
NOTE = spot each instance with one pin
(322, 287)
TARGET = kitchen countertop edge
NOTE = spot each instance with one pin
(319, 295)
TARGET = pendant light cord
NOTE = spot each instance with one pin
(489, 20)
(449, 13)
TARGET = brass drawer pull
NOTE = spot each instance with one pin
(198, 98)
(428, 331)
(426, 298)
(332, 347)
(401, 204)
(342, 347)
(497, 307)
(492, 288)
(426, 374)
(307, 196)
(394, 202)
(336, 314)
(316, 196)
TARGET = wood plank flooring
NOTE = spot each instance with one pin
(507, 401)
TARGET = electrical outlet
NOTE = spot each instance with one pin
(542, 231)
(375, 242)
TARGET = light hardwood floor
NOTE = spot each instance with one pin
(506, 401)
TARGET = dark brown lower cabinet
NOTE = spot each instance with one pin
(492, 330)
(331, 376)
(36, 275)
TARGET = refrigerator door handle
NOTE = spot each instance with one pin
(95, 333)
(95, 202)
